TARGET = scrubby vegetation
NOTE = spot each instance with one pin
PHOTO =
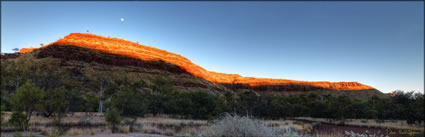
(113, 118)
(26, 100)
(38, 86)
(35, 85)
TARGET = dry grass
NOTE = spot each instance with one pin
(330, 135)
(125, 129)
(153, 125)
(93, 117)
(290, 123)
(174, 127)
(166, 121)
(169, 132)
(191, 131)
(52, 132)
(92, 132)
(393, 124)
(150, 129)
(74, 132)
(234, 125)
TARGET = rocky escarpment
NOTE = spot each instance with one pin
(70, 52)
(286, 87)
(73, 53)
(146, 53)
(143, 61)
(76, 59)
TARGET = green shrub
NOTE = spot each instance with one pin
(197, 105)
(113, 118)
(90, 103)
(27, 99)
(5, 104)
(17, 134)
(54, 102)
(130, 103)
(19, 119)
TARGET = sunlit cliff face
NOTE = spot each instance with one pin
(134, 50)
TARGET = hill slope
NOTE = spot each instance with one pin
(146, 53)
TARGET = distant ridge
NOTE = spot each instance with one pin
(146, 53)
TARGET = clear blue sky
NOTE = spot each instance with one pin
(376, 43)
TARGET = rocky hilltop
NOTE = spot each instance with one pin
(142, 53)
(91, 48)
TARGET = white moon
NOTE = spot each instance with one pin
(122, 19)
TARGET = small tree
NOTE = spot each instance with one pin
(5, 104)
(249, 100)
(90, 103)
(27, 99)
(102, 83)
(162, 85)
(113, 118)
(196, 104)
(130, 103)
(54, 102)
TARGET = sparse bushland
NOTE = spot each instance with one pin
(166, 125)
(59, 90)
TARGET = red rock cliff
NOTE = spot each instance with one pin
(146, 53)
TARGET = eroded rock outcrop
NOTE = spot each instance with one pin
(122, 52)
(69, 52)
